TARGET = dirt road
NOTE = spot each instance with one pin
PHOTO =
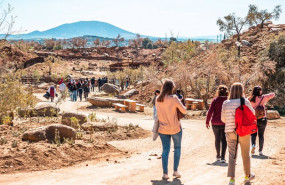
(196, 165)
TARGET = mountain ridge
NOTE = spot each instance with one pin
(94, 28)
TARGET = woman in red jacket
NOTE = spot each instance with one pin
(214, 115)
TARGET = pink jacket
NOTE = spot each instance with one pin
(266, 98)
(167, 115)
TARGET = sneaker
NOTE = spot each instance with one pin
(165, 177)
(223, 161)
(218, 158)
(176, 174)
(232, 182)
(253, 150)
(260, 153)
(248, 179)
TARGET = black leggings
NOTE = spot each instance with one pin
(261, 124)
(220, 137)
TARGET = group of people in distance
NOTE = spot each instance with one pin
(77, 88)
(222, 116)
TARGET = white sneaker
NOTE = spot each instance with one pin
(248, 179)
(176, 175)
(253, 150)
(260, 153)
(223, 161)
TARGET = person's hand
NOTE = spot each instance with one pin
(207, 126)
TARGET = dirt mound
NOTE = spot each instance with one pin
(17, 155)
(13, 58)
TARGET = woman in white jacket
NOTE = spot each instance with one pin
(228, 117)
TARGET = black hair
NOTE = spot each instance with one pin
(178, 91)
(156, 91)
(256, 92)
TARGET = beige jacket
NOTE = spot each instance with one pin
(167, 115)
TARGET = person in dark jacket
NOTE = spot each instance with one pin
(80, 89)
(93, 84)
(100, 82)
(86, 90)
(214, 115)
(74, 91)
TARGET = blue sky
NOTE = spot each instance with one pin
(148, 17)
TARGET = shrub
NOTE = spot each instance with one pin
(3, 141)
(14, 144)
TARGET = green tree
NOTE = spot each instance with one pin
(256, 16)
(232, 24)
(147, 43)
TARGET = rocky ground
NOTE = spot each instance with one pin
(137, 161)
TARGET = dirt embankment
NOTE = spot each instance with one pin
(22, 156)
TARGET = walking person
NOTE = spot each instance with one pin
(258, 102)
(80, 89)
(156, 93)
(74, 91)
(69, 86)
(228, 117)
(93, 84)
(86, 90)
(169, 125)
(100, 84)
(218, 126)
(62, 89)
(52, 92)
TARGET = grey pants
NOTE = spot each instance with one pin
(233, 149)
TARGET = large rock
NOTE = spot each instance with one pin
(82, 118)
(41, 110)
(131, 93)
(104, 102)
(48, 133)
(273, 114)
(110, 88)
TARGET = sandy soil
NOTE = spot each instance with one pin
(144, 166)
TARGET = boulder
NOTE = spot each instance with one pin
(273, 114)
(41, 110)
(82, 118)
(48, 133)
(131, 93)
(110, 88)
(104, 102)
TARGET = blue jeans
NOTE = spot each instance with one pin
(74, 97)
(166, 140)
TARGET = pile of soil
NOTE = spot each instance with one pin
(18, 155)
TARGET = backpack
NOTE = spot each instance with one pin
(245, 120)
(260, 110)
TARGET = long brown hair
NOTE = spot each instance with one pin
(167, 89)
(237, 91)
(222, 91)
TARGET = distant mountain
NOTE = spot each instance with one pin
(78, 29)
(102, 30)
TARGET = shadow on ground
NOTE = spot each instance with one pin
(165, 182)
(262, 157)
(217, 163)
